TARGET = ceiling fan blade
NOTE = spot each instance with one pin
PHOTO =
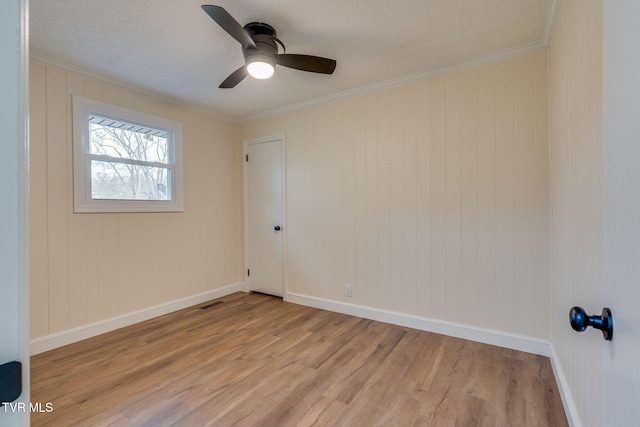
(236, 77)
(229, 24)
(314, 64)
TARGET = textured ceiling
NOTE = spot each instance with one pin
(174, 49)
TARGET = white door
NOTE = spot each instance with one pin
(621, 226)
(264, 213)
(14, 299)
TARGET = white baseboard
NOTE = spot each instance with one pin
(473, 333)
(59, 339)
(569, 404)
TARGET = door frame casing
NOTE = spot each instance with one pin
(14, 283)
(283, 180)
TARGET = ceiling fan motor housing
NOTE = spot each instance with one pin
(266, 50)
(264, 36)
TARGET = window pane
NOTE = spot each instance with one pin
(121, 181)
(113, 138)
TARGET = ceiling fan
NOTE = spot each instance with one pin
(260, 49)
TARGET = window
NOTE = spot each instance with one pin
(125, 161)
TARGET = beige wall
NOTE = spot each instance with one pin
(575, 79)
(431, 197)
(89, 267)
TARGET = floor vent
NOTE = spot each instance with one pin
(213, 304)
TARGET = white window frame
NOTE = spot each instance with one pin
(83, 108)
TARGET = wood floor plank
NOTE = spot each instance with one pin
(323, 412)
(255, 360)
(476, 412)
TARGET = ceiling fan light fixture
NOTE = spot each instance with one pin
(260, 67)
(260, 70)
(260, 50)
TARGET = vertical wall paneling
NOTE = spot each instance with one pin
(79, 279)
(349, 194)
(423, 199)
(188, 223)
(443, 190)
(90, 267)
(542, 291)
(453, 198)
(396, 182)
(383, 197)
(309, 279)
(337, 175)
(487, 220)
(524, 161)
(125, 98)
(38, 201)
(409, 203)
(323, 150)
(438, 199)
(306, 280)
(295, 203)
(505, 196)
(360, 200)
(94, 279)
(469, 298)
(58, 168)
(110, 93)
(371, 149)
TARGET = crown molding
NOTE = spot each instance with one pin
(108, 79)
(477, 62)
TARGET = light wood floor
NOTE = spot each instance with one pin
(256, 360)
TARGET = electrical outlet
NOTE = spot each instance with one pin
(347, 290)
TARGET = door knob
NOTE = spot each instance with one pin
(277, 228)
(10, 381)
(580, 320)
